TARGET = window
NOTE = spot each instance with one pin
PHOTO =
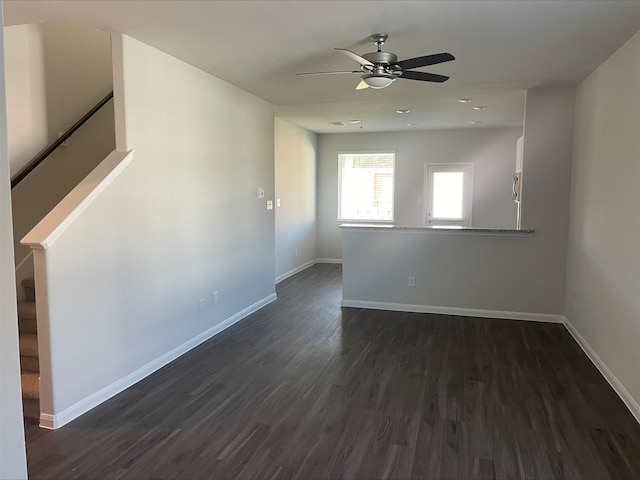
(365, 186)
(448, 190)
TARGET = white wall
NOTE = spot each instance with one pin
(603, 269)
(295, 185)
(514, 277)
(182, 221)
(492, 151)
(13, 463)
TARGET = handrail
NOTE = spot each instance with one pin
(27, 169)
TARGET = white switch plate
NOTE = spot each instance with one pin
(269, 204)
(277, 202)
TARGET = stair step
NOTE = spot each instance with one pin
(30, 395)
(31, 409)
(28, 325)
(27, 310)
(29, 364)
(29, 286)
(30, 385)
(28, 345)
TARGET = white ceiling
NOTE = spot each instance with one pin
(501, 48)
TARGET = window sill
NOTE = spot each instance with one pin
(366, 222)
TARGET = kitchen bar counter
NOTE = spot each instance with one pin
(478, 272)
(381, 227)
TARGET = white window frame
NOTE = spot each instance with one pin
(341, 219)
(467, 201)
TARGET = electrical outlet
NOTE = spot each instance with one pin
(203, 304)
(412, 281)
(215, 297)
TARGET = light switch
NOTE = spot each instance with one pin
(277, 202)
(269, 204)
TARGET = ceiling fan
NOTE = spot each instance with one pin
(380, 69)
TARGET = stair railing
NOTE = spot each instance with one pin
(33, 164)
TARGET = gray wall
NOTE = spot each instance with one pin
(492, 151)
(13, 464)
(522, 277)
(603, 280)
(295, 183)
(183, 220)
(546, 183)
(56, 72)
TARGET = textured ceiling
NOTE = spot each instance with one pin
(501, 48)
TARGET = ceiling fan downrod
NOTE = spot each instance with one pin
(379, 39)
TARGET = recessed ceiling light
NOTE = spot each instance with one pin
(402, 110)
(475, 122)
(354, 121)
(411, 124)
(480, 107)
(465, 99)
(337, 124)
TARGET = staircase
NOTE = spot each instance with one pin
(29, 364)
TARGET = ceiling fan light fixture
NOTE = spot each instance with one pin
(377, 81)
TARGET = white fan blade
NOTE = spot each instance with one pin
(362, 85)
(354, 56)
(330, 73)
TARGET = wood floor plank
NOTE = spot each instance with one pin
(306, 389)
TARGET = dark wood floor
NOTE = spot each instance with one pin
(305, 389)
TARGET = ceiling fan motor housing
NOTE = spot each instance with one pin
(381, 57)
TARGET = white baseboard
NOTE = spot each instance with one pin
(463, 312)
(617, 386)
(304, 266)
(329, 260)
(291, 273)
(57, 420)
